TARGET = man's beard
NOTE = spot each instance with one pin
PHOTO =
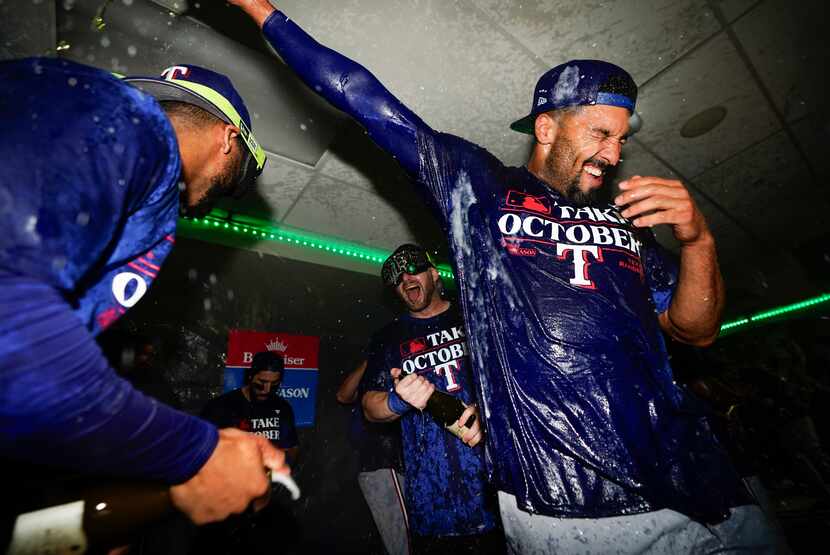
(221, 185)
(557, 168)
(429, 290)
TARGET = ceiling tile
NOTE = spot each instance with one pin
(429, 54)
(732, 9)
(711, 76)
(813, 135)
(333, 208)
(355, 159)
(768, 190)
(787, 44)
(277, 189)
(641, 36)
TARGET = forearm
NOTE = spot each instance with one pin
(695, 313)
(62, 404)
(347, 392)
(349, 87)
(376, 407)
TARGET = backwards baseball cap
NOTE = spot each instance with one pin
(407, 259)
(579, 83)
(214, 93)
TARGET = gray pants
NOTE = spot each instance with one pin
(383, 491)
(660, 532)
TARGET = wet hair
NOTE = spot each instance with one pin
(190, 113)
(266, 361)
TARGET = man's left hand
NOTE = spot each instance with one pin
(473, 435)
(650, 201)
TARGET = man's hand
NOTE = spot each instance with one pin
(473, 435)
(650, 201)
(259, 10)
(413, 389)
(232, 477)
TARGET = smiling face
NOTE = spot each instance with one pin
(583, 143)
(419, 291)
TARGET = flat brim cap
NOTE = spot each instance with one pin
(164, 90)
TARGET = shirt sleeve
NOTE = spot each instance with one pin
(662, 270)
(63, 405)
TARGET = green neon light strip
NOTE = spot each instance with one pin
(220, 220)
(767, 314)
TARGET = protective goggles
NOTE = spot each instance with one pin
(410, 261)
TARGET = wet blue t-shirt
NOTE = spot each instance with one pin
(88, 206)
(561, 304)
(446, 489)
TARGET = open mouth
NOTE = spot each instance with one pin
(412, 292)
(594, 171)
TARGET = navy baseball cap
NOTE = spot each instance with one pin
(579, 83)
(214, 93)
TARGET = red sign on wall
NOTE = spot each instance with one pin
(299, 381)
(299, 351)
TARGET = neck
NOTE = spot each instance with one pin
(536, 164)
(194, 163)
(246, 391)
(434, 308)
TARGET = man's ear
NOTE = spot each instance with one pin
(229, 133)
(435, 275)
(545, 128)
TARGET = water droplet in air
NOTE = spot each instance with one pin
(132, 51)
(82, 219)
(72, 81)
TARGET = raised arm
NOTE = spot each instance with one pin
(696, 308)
(346, 84)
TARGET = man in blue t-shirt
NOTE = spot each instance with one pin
(95, 171)
(591, 444)
(450, 507)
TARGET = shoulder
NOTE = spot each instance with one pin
(387, 333)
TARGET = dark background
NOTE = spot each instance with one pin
(777, 375)
(203, 291)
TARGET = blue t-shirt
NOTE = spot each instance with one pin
(446, 489)
(88, 207)
(561, 304)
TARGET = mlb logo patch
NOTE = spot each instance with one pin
(524, 201)
(413, 346)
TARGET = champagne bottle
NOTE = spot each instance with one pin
(447, 409)
(91, 519)
(94, 519)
